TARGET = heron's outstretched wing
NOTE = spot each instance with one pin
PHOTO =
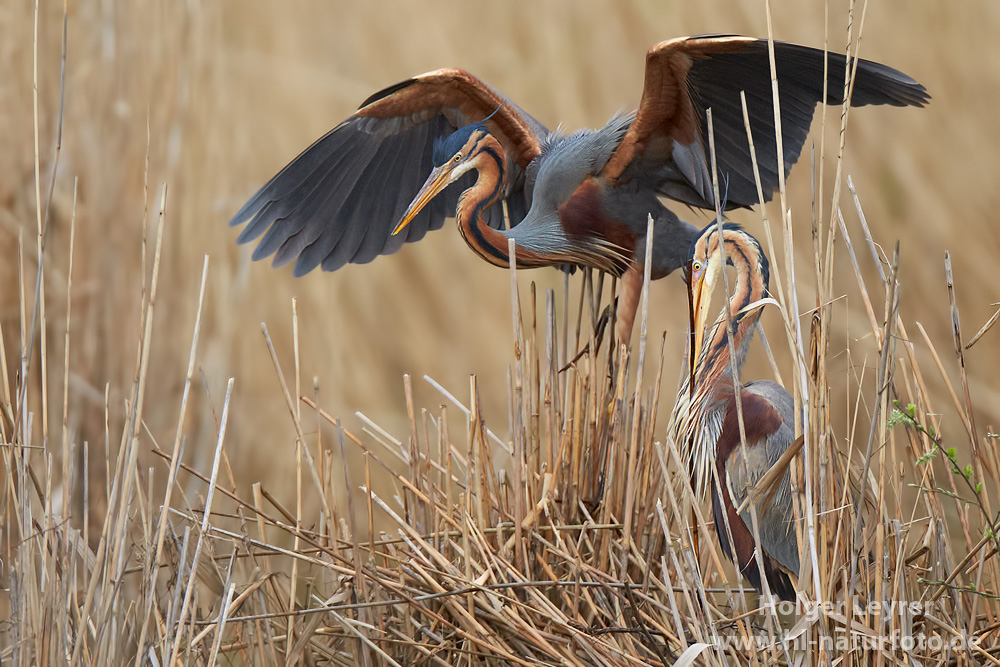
(339, 200)
(668, 142)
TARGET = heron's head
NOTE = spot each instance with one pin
(705, 266)
(453, 156)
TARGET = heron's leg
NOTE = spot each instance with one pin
(628, 301)
(696, 536)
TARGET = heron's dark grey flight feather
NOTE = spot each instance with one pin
(337, 202)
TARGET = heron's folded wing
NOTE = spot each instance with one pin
(774, 511)
(339, 200)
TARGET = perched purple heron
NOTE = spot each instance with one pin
(711, 427)
(579, 199)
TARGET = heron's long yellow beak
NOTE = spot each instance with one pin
(439, 179)
(702, 291)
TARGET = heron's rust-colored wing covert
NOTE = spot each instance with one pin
(339, 200)
(462, 98)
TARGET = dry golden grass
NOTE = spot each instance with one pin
(212, 99)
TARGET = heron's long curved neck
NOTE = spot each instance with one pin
(487, 242)
(715, 368)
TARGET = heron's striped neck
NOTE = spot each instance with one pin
(697, 418)
(489, 188)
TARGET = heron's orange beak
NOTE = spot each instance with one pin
(702, 287)
(439, 179)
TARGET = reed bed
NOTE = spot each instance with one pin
(561, 538)
(567, 536)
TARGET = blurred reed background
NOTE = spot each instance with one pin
(217, 96)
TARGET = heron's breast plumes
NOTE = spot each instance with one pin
(695, 426)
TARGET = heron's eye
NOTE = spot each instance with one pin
(695, 266)
(458, 156)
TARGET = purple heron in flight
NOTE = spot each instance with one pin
(579, 199)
